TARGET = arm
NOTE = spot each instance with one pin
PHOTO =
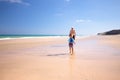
(74, 32)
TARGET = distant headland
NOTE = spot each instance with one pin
(111, 32)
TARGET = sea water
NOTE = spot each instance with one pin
(24, 36)
(8, 37)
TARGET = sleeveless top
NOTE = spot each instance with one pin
(71, 40)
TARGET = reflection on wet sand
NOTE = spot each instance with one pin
(72, 66)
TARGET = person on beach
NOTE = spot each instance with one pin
(72, 32)
(71, 42)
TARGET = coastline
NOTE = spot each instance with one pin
(95, 58)
(9, 37)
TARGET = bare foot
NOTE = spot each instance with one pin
(72, 53)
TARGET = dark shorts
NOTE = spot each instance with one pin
(70, 44)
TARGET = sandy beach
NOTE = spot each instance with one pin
(95, 58)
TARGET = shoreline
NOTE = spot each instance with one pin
(28, 37)
(37, 37)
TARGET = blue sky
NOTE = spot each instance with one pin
(58, 16)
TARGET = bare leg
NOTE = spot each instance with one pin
(72, 51)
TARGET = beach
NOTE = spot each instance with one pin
(94, 58)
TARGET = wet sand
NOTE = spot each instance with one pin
(95, 58)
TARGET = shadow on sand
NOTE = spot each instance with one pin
(62, 54)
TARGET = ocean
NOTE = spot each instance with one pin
(7, 37)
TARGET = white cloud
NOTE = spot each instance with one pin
(82, 21)
(16, 1)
